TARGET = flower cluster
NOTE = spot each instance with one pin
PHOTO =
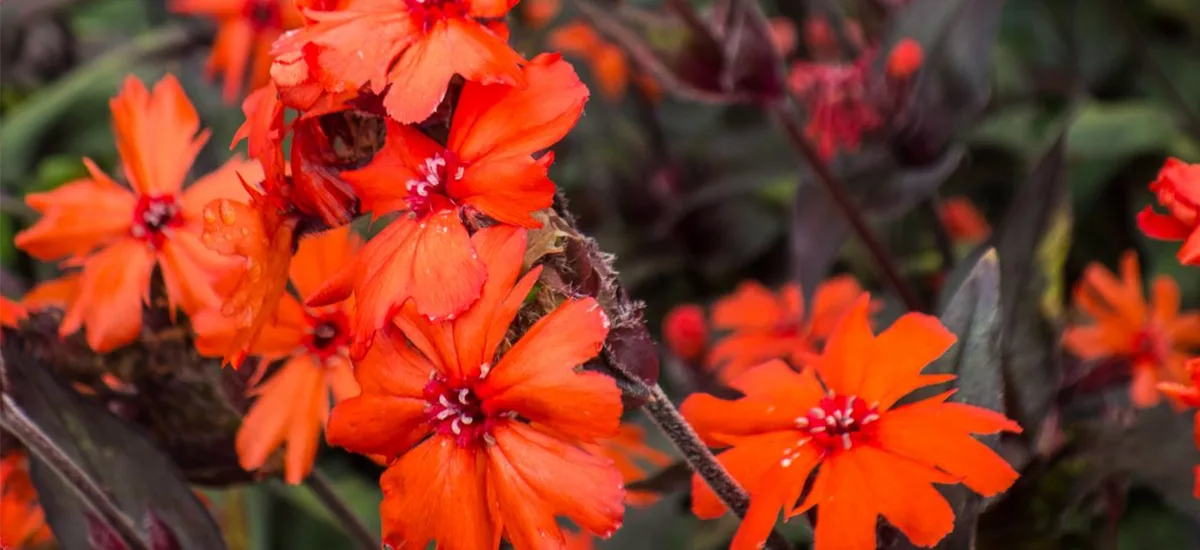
(439, 348)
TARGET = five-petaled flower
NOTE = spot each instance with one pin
(840, 417)
(407, 50)
(1154, 337)
(119, 235)
(293, 404)
(1178, 191)
(483, 446)
(486, 167)
(763, 325)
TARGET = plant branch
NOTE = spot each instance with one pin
(785, 114)
(701, 459)
(15, 421)
(354, 527)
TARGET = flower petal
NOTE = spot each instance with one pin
(903, 492)
(939, 434)
(570, 482)
(390, 367)
(284, 400)
(899, 354)
(537, 377)
(479, 330)
(225, 182)
(775, 396)
(79, 216)
(509, 190)
(156, 133)
(435, 492)
(748, 462)
(318, 258)
(1161, 226)
(750, 306)
(843, 365)
(113, 286)
(496, 120)
(378, 424)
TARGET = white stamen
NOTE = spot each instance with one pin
(817, 412)
(802, 422)
(454, 427)
(462, 395)
(468, 420)
(846, 441)
(445, 413)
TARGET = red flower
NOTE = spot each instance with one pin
(905, 59)
(245, 31)
(482, 446)
(486, 167)
(963, 221)
(686, 332)
(763, 325)
(264, 230)
(407, 50)
(157, 224)
(293, 404)
(840, 418)
(836, 96)
(1178, 191)
(11, 313)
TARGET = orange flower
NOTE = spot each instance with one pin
(629, 452)
(132, 232)
(840, 418)
(1178, 191)
(263, 232)
(1154, 337)
(482, 446)
(686, 332)
(608, 62)
(245, 31)
(537, 13)
(963, 221)
(764, 325)
(1189, 395)
(487, 167)
(293, 404)
(415, 47)
(22, 523)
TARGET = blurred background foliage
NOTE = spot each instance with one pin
(695, 198)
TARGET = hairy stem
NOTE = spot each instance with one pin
(701, 459)
(15, 421)
(354, 527)
(785, 114)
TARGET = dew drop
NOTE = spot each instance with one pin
(228, 215)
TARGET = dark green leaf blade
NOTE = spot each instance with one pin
(139, 476)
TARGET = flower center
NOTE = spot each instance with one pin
(427, 194)
(1150, 345)
(839, 421)
(455, 411)
(427, 12)
(152, 215)
(263, 15)
(328, 334)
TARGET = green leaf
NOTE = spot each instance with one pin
(971, 312)
(1120, 130)
(21, 132)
